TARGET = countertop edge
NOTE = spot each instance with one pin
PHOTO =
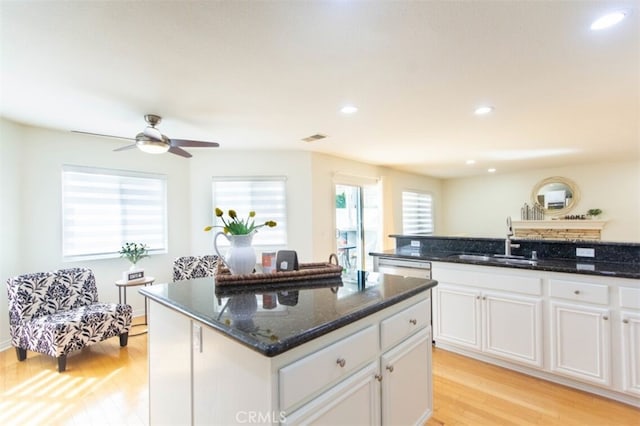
(305, 336)
(541, 266)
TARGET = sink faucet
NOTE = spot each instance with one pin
(508, 245)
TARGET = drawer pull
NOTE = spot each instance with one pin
(413, 321)
(390, 368)
(378, 377)
(605, 318)
(625, 321)
(341, 362)
(576, 292)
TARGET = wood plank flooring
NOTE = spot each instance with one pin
(107, 385)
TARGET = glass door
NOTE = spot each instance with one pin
(358, 225)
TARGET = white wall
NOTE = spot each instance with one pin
(479, 206)
(11, 247)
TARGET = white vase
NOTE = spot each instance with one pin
(241, 257)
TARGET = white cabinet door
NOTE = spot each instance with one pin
(407, 397)
(580, 339)
(631, 352)
(354, 401)
(512, 327)
(456, 316)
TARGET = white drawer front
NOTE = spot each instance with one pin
(500, 279)
(579, 292)
(398, 326)
(312, 373)
(630, 297)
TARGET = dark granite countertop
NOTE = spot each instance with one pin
(573, 266)
(274, 318)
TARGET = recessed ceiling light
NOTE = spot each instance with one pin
(469, 162)
(491, 170)
(483, 110)
(608, 20)
(349, 109)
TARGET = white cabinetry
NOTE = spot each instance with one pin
(395, 387)
(407, 367)
(477, 317)
(576, 329)
(580, 337)
(630, 339)
(376, 370)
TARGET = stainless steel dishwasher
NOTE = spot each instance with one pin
(407, 268)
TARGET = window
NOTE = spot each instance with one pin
(264, 195)
(102, 209)
(417, 213)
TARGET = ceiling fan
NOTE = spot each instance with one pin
(150, 140)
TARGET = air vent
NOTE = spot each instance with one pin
(314, 138)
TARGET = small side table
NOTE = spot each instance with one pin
(122, 295)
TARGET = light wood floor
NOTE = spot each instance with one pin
(107, 385)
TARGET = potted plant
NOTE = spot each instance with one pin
(133, 252)
(241, 257)
(594, 213)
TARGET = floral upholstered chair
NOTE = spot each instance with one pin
(188, 267)
(58, 312)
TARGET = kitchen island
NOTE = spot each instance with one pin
(313, 351)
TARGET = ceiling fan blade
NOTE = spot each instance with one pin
(179, 151)
(104, 136)
(194, 144)
(124, 148)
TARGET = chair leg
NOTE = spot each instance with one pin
(124, 339)
(62, 363)
(21, 354)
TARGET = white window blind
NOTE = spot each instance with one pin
(266, 196)
(417, 213)
(102, 209)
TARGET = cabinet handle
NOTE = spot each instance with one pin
(576, 292)
(605, 318)
(484, 297)
(390, 368)
(378, 377)
(413, 321)
(625, 321)
(477, 297)
(341, 362)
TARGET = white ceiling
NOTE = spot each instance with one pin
(264, 75)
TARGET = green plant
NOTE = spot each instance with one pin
(134, 252)
(594, 212)
(237, 226)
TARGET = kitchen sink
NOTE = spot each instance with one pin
(515, 260)
(474, 257)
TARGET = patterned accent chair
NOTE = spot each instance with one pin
(187, 267)
(55, 313)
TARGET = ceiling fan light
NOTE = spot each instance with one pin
(152, 146)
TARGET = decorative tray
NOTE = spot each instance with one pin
(306, 271)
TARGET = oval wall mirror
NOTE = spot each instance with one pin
(556, 195)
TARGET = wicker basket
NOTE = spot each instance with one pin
(306, 271)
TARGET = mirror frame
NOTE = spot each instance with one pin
(556, 179)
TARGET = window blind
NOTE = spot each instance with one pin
(102, 209)
(417, 213)
(266, 196)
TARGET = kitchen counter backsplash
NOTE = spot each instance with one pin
(604, 251)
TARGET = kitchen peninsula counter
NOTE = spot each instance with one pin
(313, 350)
